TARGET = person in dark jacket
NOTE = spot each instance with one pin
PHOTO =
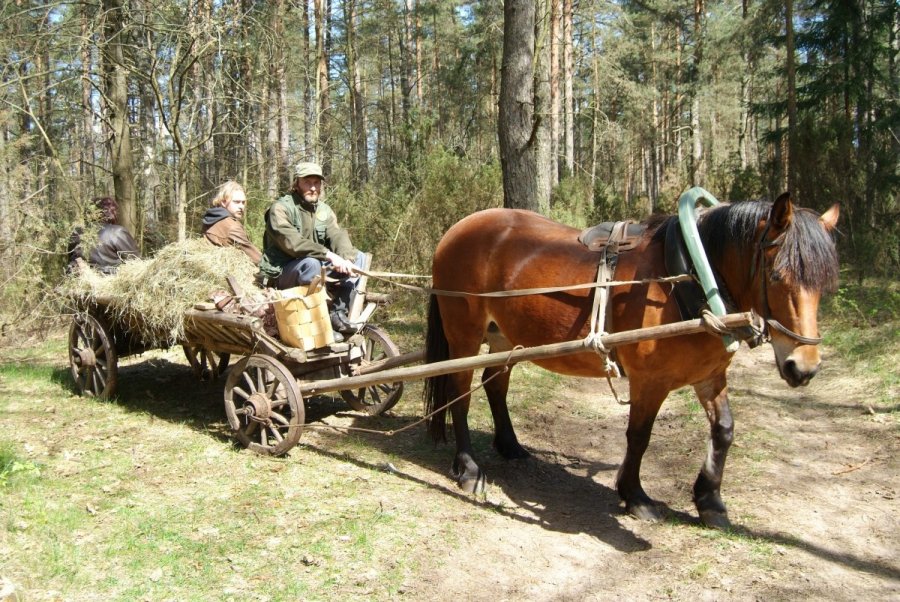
(303, 236)
(222, 222)
(114, 243)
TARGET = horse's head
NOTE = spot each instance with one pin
(795, 261)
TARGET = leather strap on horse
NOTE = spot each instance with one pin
(601, 300)
(797, 337)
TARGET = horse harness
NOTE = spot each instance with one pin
(609, 238)
(612, 238)
(689, 295)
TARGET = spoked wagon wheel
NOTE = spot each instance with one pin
(264, 406)
(92, 357)
(375, 399)
(207, 365)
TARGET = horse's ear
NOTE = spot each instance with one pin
(829, 218)
(782, 211)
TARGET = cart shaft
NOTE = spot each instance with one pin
(609, 341)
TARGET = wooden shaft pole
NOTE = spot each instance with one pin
(515, 356)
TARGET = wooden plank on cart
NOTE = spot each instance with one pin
(234, 333)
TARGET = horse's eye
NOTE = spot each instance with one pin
(775, 276)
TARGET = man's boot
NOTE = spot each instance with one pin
(340, 323)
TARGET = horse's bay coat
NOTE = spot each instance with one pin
(774, 259)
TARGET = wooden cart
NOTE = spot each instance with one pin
(262, 400)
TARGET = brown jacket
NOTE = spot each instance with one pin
(223, 230)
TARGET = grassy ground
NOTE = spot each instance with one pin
(145, 496)
(862, 323)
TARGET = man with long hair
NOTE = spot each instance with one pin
(222, 223)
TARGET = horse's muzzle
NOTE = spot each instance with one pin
(795, 376)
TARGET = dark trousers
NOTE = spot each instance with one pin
(302, 271)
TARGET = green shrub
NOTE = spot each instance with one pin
(572, 202)
(400, 220)
(746, 185)
(608, 206)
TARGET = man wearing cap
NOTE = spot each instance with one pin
(302, 235)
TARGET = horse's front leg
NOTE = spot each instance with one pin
(496, 385)
(464, 469)
(713, 394)
(645, 404)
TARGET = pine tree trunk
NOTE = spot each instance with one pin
(543, 158)
(437, 96)
(322, 137)
(406, 80)
(698, 172)
(420, 80)
(595, 122)
(555, 27)
(282, 160)
(678, 100)
(309, 111)
(516, 122)
(359, 155)
(152, 133)
(655, 169)
(744, 133)
(568, 77)
(698, 167)
(86, 167)
(117, 111)
(790, 70)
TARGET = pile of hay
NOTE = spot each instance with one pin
(154, 293)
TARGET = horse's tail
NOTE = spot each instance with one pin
(436, 387)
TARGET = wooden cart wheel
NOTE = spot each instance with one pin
(264, 406)
(375, 399)
(207, 365)
(92, 357)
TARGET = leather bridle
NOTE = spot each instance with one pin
(759, 265)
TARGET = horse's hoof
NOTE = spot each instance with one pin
(715, 519)
(472, 485)
(648, 512)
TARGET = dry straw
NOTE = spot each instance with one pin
(151, 295)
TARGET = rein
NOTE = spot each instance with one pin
(523, 291)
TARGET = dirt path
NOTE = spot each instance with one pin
(811, 485)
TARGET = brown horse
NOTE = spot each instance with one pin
(773, 258)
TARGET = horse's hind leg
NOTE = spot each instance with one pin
(645, 404)
(496, 385)
(713, 394)
(464, 469)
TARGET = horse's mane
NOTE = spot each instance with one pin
(807, 255)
